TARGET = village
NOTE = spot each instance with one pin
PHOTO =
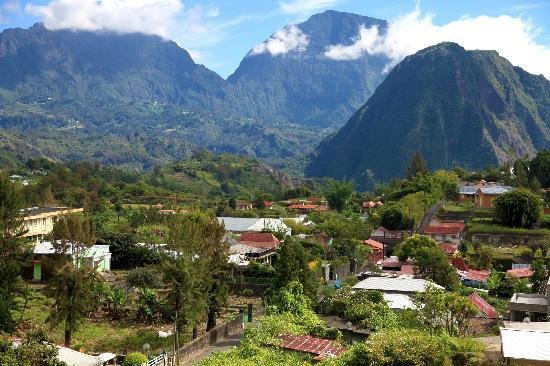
(309, 278)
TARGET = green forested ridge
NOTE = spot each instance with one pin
(469, 108)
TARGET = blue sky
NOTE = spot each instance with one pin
(219, 33)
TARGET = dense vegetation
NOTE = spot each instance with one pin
(453, 106)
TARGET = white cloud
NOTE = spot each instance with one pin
(290, 38)
(305, 6)
(124, 16)
(512, 37)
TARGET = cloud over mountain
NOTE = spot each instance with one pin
(513, 37)
(290, 38)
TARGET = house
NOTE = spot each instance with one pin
(484, 308)
(303, 207)
(377, 249)
(474, 277)
(387, 237)
(257, 246)
(482, 193)
(525, 343)
(96, 256)
(536, 307)
(486, 195)
(268, 205)
(446, 232)
(39, 221)
(242, 224)
(243, 205)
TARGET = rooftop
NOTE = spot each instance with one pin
(520, 272)
(525, 344)
(444, 229)
(37, 211)
(496, 189)
(373, 244)
(404, 284)
(483, 305)
(322, 348)
(529, 299)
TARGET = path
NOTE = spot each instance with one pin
(224, 345)
(428, 216)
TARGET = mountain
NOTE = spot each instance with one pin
(303, 85)
(37, 64)
(470, 108)
(128, 100)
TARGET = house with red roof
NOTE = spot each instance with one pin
(377, 249)
(445, 232)
(485, 309)
(469, 276)
(303, 207)
(519, 273)
(258, 246)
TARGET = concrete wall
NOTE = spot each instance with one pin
(507, 239)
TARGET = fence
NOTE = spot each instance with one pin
(159, 360)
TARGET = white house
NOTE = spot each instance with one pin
(96, 256)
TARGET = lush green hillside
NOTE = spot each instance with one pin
(470, 108)
(305, 86)
(140, 136)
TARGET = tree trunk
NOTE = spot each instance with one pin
(68, 337)
(195, 332)
(211, 322)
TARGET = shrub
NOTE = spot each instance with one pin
(135, 359)
(144, 277)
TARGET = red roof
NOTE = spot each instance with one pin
(369, 204)
(259, 240)
(520, 273)
(268, 203)
(302, 206)
(459, 264)
(448, 248)
(443, 229)
(483, 305)
(321, 208)
(477, 275)
(322, 348)
(407, 269)
(373, 244)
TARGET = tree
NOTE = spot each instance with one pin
(292, 265)
(485, 256)
(539, 277)
(409, 246)
(34, 350)
(72, 284)
(433, 264)
(540, 167)
(416, 166)
(392, 218)
(14, 252)
(519, 208)
(337, 194)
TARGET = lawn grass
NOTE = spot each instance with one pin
(487, 226)
(99, 335)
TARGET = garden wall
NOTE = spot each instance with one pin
(507, 239)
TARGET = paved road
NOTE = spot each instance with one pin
(224, 345)
(430, 213)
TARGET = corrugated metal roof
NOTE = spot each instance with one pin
(495, 189)
(483, 306)
(395, 284)
(525, 344)
(317, 346)
(467, 190)
(399, 301)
